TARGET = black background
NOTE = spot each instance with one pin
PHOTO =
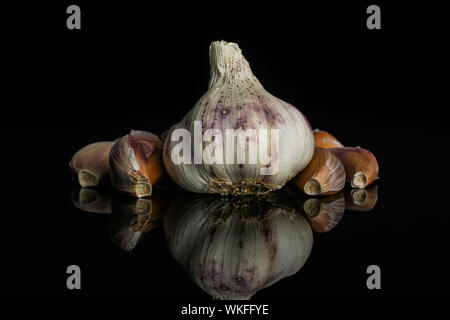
(135, 66)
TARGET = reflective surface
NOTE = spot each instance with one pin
(231, 247)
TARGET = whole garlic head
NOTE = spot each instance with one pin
(242, 139)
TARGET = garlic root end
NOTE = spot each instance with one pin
(87, 178)
(359, 180)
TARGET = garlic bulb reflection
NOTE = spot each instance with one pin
(273, 140)
(232, 249)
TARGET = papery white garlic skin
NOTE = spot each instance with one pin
(236, 100)
(234, 259)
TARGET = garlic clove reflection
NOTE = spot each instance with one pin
(133, 218)
(90, 200)
(361, 199)
(234, 248)
(136, 163)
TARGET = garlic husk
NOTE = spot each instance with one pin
(324, 174)
(90, 200)
(136, 163)
(326, 140)
(236, 100)
(232, 250)
(361, 199)
(90, 164)
(324, 213)
(361, 166)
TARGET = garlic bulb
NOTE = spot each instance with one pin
(90, 164)
(232, 249)
(238, 138)
(136, 163)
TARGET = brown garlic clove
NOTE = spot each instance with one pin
(324, 174)
(91, 200)
(325, 140)
(324, 213)
(136, 163)
(361, 199)
(361, 166)
(90, 164)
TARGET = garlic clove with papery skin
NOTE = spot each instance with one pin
(90, 164)
(136, 163)
(361, 166)
(324, 174)
(324, 213)
(326, 140)
(238, 138)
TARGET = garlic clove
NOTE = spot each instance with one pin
(136, 163)
(324, 174)
(361, 166)
(90, 200)
(361, 199)
(90, 164)
(325, 140)
(236, 101)
(324, 213)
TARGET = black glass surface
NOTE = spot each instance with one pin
(144, 67)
